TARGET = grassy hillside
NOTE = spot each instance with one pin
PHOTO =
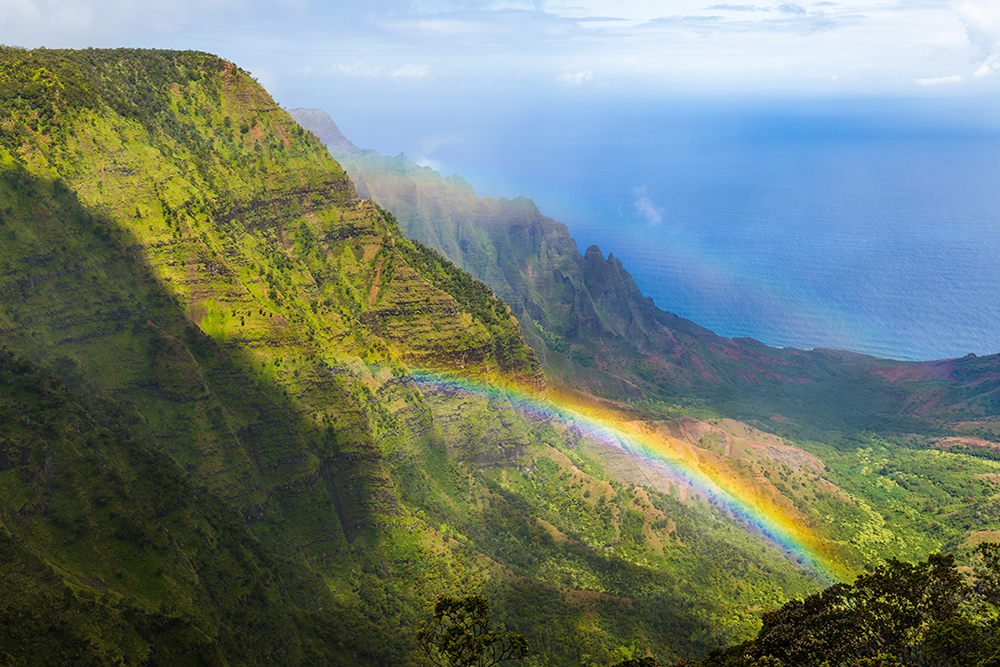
(178, 252)
(217, 448)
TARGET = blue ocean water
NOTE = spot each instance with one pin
(867, 225)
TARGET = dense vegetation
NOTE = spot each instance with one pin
(109, 554)
(214, 450)
(900, 614)
(472, 295)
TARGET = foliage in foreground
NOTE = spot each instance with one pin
(460, 636)
(907, 614)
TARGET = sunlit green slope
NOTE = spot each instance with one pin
(228, 448)
(173, 246)
(901, 456)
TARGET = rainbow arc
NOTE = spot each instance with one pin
(608, 425)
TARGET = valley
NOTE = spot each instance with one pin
(259, 408)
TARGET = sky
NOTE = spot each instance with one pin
(503, 49)
(407, 75)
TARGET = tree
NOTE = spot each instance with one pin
(898, 615)
(958, 641)
(460, 636)
(884, 612)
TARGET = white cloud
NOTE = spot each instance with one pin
(792, 9)
(954, 78)
(571, 79)
(955, 39)
(982, 24)
(737, 8)
(363, 70)
(982, 21)
(358, 70)
(989, 66)
(524, 5)
(411, 71)
(469, 45)
(646, 208)
(443, 27)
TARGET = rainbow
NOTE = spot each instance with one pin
(604, 424)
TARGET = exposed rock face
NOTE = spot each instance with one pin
(969, 383)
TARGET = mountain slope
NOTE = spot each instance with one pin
(176, 249)
(280, 428)
(173, 242)
(204, 210)
(884, 458)
(109, 554)
(593, 329)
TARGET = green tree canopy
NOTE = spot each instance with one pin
(900, 614)
(459, 635)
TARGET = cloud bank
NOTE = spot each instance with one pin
(939, 80)
(470, 46)
(575, 79)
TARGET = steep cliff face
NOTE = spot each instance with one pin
(238, 464)
(593, 329)
(189, 248)
(582, 313)
(172, 241)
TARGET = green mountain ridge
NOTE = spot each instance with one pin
(215, 450)
(593, 329)
(877, 427)
(174, 245)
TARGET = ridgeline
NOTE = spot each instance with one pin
(217, 448)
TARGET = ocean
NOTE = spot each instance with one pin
(865, 225)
